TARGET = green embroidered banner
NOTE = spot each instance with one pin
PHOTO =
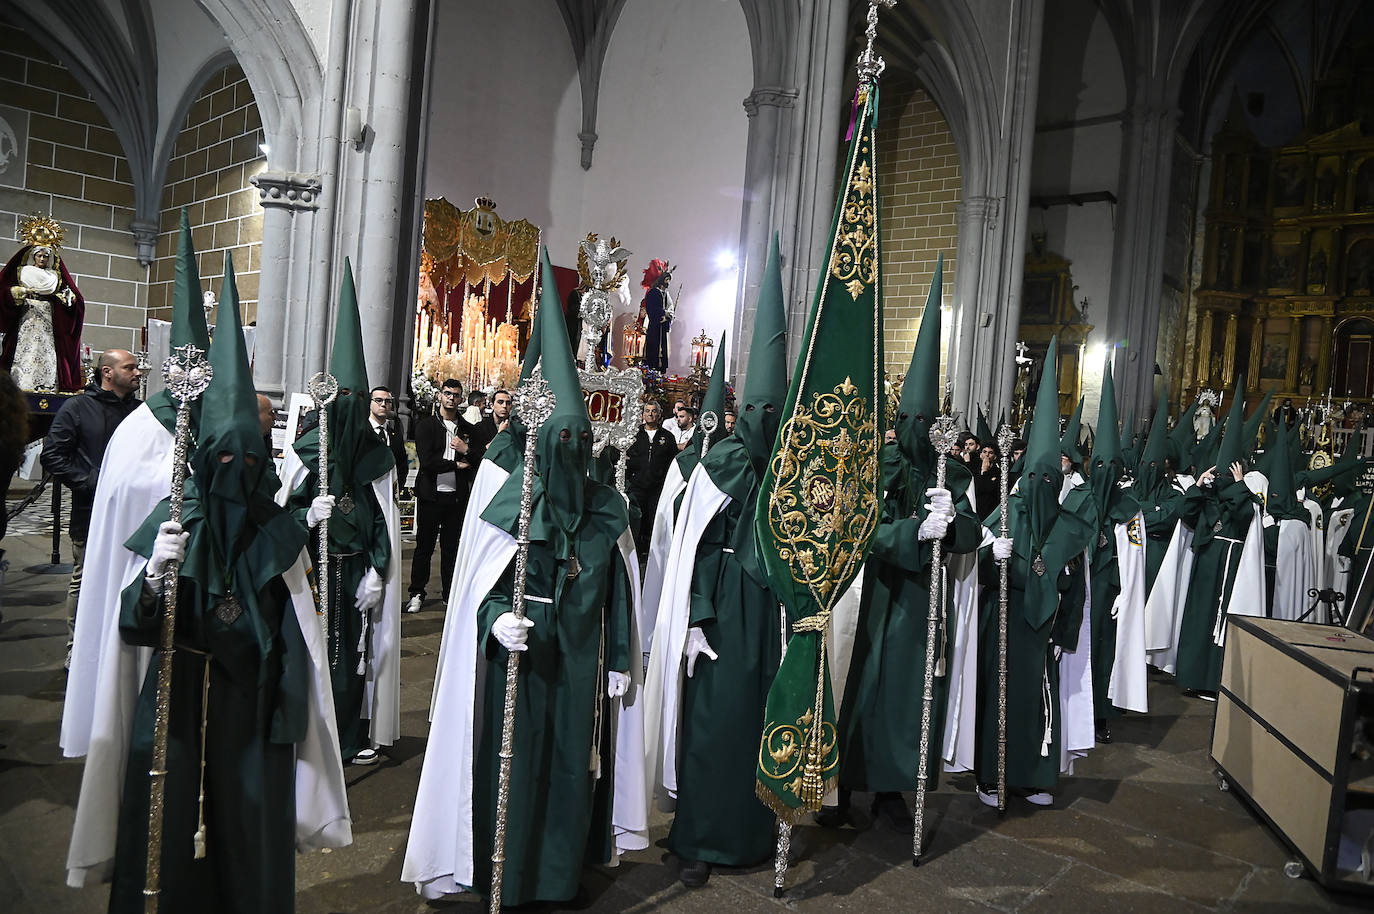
(820, 501)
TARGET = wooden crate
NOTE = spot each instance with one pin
(1291, 694)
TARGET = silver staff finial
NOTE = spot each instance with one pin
(871, 65)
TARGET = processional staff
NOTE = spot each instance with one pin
(187, 374)
(534, 403)
(942, 436)
(708, 425)
(1004, 439)
(324, 387)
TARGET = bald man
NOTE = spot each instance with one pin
(75, 447)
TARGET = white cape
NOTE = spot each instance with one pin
(1294, 571)
(659, 543)
(322, 818)
(1127, 688)
(137, 474)
(663, 682)
(439, 852)
(382, 695)
(1337, 565)
(1077, 730)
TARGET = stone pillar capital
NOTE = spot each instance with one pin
(145, 239)
(288, 190)
(770, 96)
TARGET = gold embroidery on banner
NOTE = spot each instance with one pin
(1133, 532)
(854, 261)
(825, 499)
(783, 756)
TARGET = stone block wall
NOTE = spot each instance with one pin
(62, 159)
(921, 186)
(216, 155)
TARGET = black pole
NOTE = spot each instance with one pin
(56, 522)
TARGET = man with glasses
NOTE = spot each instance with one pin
(386, 426)
(441, 489)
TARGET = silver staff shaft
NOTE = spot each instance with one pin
(186, 374)
(323, 389)
(1004, 439)
(534, 403)
(942, 437)
(784, 846)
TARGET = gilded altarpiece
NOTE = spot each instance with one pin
(1048, 310)
(1287, 288)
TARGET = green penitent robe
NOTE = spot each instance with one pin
(358, 540)
(1221, 517)
(880, 717)
(1105, 581)
(259, 671)
(719, 818)
(559, 814)
(1160, 509)
(1043, 611)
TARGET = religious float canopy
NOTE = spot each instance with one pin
(478, 282)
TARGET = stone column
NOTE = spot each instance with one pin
(1290, 374)
(1324, 355)
(795, 139)
(1228, 357)
(1204, 349)
(372, 178)
(1138, 250)
(283, 332)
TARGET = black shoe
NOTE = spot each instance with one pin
(1103, 733)
(694, 873)
(891, 810)
(835, 816)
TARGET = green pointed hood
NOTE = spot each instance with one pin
(564, 449)
(188, 311)
(920, 400)
(347, 363)
(1073, 430)
(1042, 477)
(1183, 439)
(765, 384)
(1233, 445)
(1106, 464)
(228, 428)
(1149, 473)
(1252, 425)
(983, 431)
(1106, 445)
(188, 325)
(536, 343)
(1282, 501)
(356, 455)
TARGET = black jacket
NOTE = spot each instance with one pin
(75, 446)
(646, 463)
(430, 439)
(396, 441)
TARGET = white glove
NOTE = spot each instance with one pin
(370, 590)
(1058, 652)
(168, 547)
(940, 501)
(321, 508)
(1001, 548)
(695, 646)
(933, 527)
(511, 631)
(616, 684)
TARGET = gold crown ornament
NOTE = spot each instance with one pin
(41, 230)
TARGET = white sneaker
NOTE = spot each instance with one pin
(1040, 798)
(366, 757)
(987, 798)
(414, 605)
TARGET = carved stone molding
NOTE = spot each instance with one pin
(145, 239)
(588, 140)
(985, 209)
(288, 190)
(772, 96)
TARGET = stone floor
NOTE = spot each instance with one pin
(1142, 827)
